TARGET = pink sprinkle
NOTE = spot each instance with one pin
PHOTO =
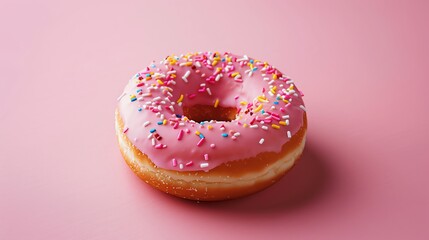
(212, 145)
(174, 162)
(275, 117)
(206, 157)
(253, 120)
(263, 90)
(189, 163)
(140, 84)
(201, 142)
(180, 135)
(190, 96)
(187, 130)
(160, 146)
(236, 97)
(176, 125)
(126, 130)
(282, 109)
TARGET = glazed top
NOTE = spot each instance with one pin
(270, 110)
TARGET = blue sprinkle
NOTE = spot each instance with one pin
(223, 59)
(202, 123)
(201, 135)
(153, 66)
(139, 90)
(159, 123)
(224, 134)
(133, 99)
(140, 109)
(178, 115)
(152, 130)
(147, 74)
(254, 69)
(251, 61)
(278, 98)
(276, 103)
(263, 111)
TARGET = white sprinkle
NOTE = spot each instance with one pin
(270, 82)
(237, 134)
(289, 135)
(146, 124)
(156, 99)
(261, 141)
(264, 127)
(187, 74)
(266, 79)
(153, 142)
(302, 107)
(206, 157)
(197, 64)
(149, 136)
(218, 77)
(181, 166)
(212, 145)
(204, 165)
(233, 137)
(289, 82)
(209, 91)
(222, 128)
(171, 72)
(253, 126)
(121, 96)
(287, 121)
(285, 116)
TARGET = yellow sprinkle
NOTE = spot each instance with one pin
(234, 74)
(209, 127)
(160, 82)
(216, 103)
(180, 98)
(275, 76)
(262, 99)
(188, 64)
(197, 133)
(259, 108)
(185, 119)
(214, 63)
(228, 59)
(148, 78)
(286, 101)
(282, 123)
(291, 87)
(243, 103)
(164, 122)
(275, 126)
(245, 125)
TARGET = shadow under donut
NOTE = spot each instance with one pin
(303, 184)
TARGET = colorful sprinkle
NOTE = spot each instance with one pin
(216, 103)
(261, 141)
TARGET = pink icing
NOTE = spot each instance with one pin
(149, 103)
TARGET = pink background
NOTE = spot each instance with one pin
(363, 66)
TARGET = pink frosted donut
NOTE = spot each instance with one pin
(210, 126)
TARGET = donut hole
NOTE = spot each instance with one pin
(201, 113)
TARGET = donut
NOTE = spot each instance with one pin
(210, 126)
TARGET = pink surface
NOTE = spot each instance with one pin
(363, 66)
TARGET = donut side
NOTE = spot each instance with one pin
(227, 181)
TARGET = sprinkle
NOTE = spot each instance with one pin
(258, 108)
(164, 122)
(212, 145)
(208, 91)
(201, 142)
(121, 96)
(174, 161)
(285, 116)
(225, 135)
(125, 130)
(201, 136)
(264, 127)
(302, 107)
(152, 130)
(181, 166)
(133, 98)
(159, 123)
(209, 127)
(253, 126)
(204, 165)
(180, 135)
(206, 157)
(289, 135)
(153, 141)
(261, 141)
(189, 163)
(282, 123)
(197, 133)
(180, 98)
(275, 126)
(216, 103)
(160, 146)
